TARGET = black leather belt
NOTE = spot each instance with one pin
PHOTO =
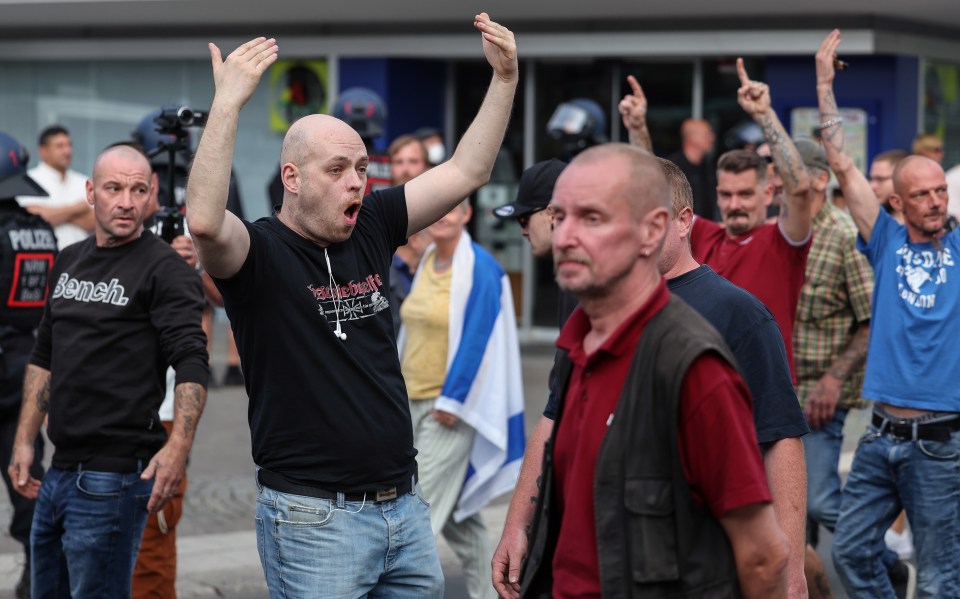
(279, 483)
(103, 464)
(910, 430)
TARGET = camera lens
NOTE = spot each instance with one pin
(185, 116)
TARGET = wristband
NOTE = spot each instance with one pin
(831, 123)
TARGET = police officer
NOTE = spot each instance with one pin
(28, 247)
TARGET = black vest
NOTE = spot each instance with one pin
(652, 540)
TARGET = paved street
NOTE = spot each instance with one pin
(217, 546)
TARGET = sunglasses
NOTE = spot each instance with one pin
(525, 219)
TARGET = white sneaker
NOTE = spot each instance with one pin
(901, 543)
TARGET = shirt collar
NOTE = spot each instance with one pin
(623, 339)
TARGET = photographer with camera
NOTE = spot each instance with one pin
(164, 135)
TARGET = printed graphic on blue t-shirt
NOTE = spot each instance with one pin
(911, 361)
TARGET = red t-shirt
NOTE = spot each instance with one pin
(763, 262)
(718, 443)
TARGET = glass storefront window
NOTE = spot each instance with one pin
(720, 107)
(669, 91)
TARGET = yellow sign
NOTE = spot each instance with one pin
(297, 88)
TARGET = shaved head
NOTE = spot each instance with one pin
(909, 168)
(123, 152)
(323, 168)
(306, 133)
(644, 186)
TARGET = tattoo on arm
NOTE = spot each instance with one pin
(36, 384)
(43, 397)
(784, 153)
(853, 356)
(188, 402)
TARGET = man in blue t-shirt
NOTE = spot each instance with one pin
(754, 337)
(910, 456)
(306, 293)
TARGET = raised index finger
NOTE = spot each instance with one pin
(635, 86)
(742, 72)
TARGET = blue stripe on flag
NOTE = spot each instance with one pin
(516, 438)
(480, 316)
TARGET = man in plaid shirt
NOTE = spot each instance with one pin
(830, 338)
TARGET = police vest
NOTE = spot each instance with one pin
(28, 247)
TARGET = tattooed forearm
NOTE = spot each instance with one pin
(43, 397)
(853, 356)
(784, 154)
(188, 402)
(36, 385)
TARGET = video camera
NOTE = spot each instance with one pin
(172, 119)
(170, 136)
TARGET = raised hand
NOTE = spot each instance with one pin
(825, 57)
(499, 47)
(633, 107)
(753, 96)
(237, 76)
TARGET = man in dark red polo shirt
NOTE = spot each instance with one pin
(768, 260)
(593, 534)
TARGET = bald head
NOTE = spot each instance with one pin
(912, 168)
(636, 173)
(120, 152)
(306, 134)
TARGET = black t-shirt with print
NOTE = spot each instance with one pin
(324, 412)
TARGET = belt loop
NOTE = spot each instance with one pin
(256, 478)
(340, 500)
(413, 484)
(883, 425)
(913, 428)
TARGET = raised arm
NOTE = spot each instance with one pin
(795, 213)
(221, 238)
(633, 112)
(860, 198)
(437, 191)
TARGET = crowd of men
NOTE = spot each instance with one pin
(719, 317)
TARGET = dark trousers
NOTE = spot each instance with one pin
(22, 507)
(15, 350)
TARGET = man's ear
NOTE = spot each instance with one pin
(90, 192)
(896, 202)
(653, 230)
(290, 177)
(684, 222)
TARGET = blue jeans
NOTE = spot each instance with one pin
(324, 548)
(821, 449)
(889, 474)
(86, 533)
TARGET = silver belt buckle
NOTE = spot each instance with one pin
(387, 494)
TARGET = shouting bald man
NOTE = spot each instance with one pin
(307, 291)
(123, 305)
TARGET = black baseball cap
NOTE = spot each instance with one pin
(535, 191)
